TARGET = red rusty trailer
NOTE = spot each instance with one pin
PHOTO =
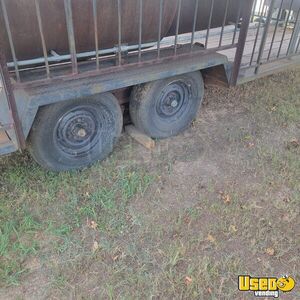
(62, 94)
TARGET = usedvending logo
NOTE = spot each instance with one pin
(266, 286)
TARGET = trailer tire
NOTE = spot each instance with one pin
(75, 134)
(164, 108)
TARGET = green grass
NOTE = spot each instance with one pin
(279, 105)
(43, 209)
(16, 244)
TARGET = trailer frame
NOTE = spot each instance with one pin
(31, 85)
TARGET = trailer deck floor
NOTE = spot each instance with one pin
(272, 60)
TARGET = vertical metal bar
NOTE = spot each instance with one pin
(194, 24)
(119, 32)
(295, 35)
(177, 26)
(254, 10)
(265, 11)
(10, 39)
(224, 23)
(260, 12)
(285, 28)
(298, 46)
(261, 8)
(275, 30)
(71, 35)
(246, 16)
(95, 17)
(39, 18)
(265, 35)
(4, 74)
(161, 4)
(140, 29)
(209, 22)
(237, 22)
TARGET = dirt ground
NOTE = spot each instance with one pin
(180, 222)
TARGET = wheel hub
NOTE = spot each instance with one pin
(82, 133)
(173, 99)
(77, 131)
(174, 104)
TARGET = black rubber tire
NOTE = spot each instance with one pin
(152, 110)
(75, 134)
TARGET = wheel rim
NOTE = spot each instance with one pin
(78, 131)
(173, 100)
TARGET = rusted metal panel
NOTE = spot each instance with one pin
(23, 22)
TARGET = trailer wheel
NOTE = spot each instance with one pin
(165, 108)
(75, 134)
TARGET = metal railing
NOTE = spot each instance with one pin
(275, 32)
(226, 36)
